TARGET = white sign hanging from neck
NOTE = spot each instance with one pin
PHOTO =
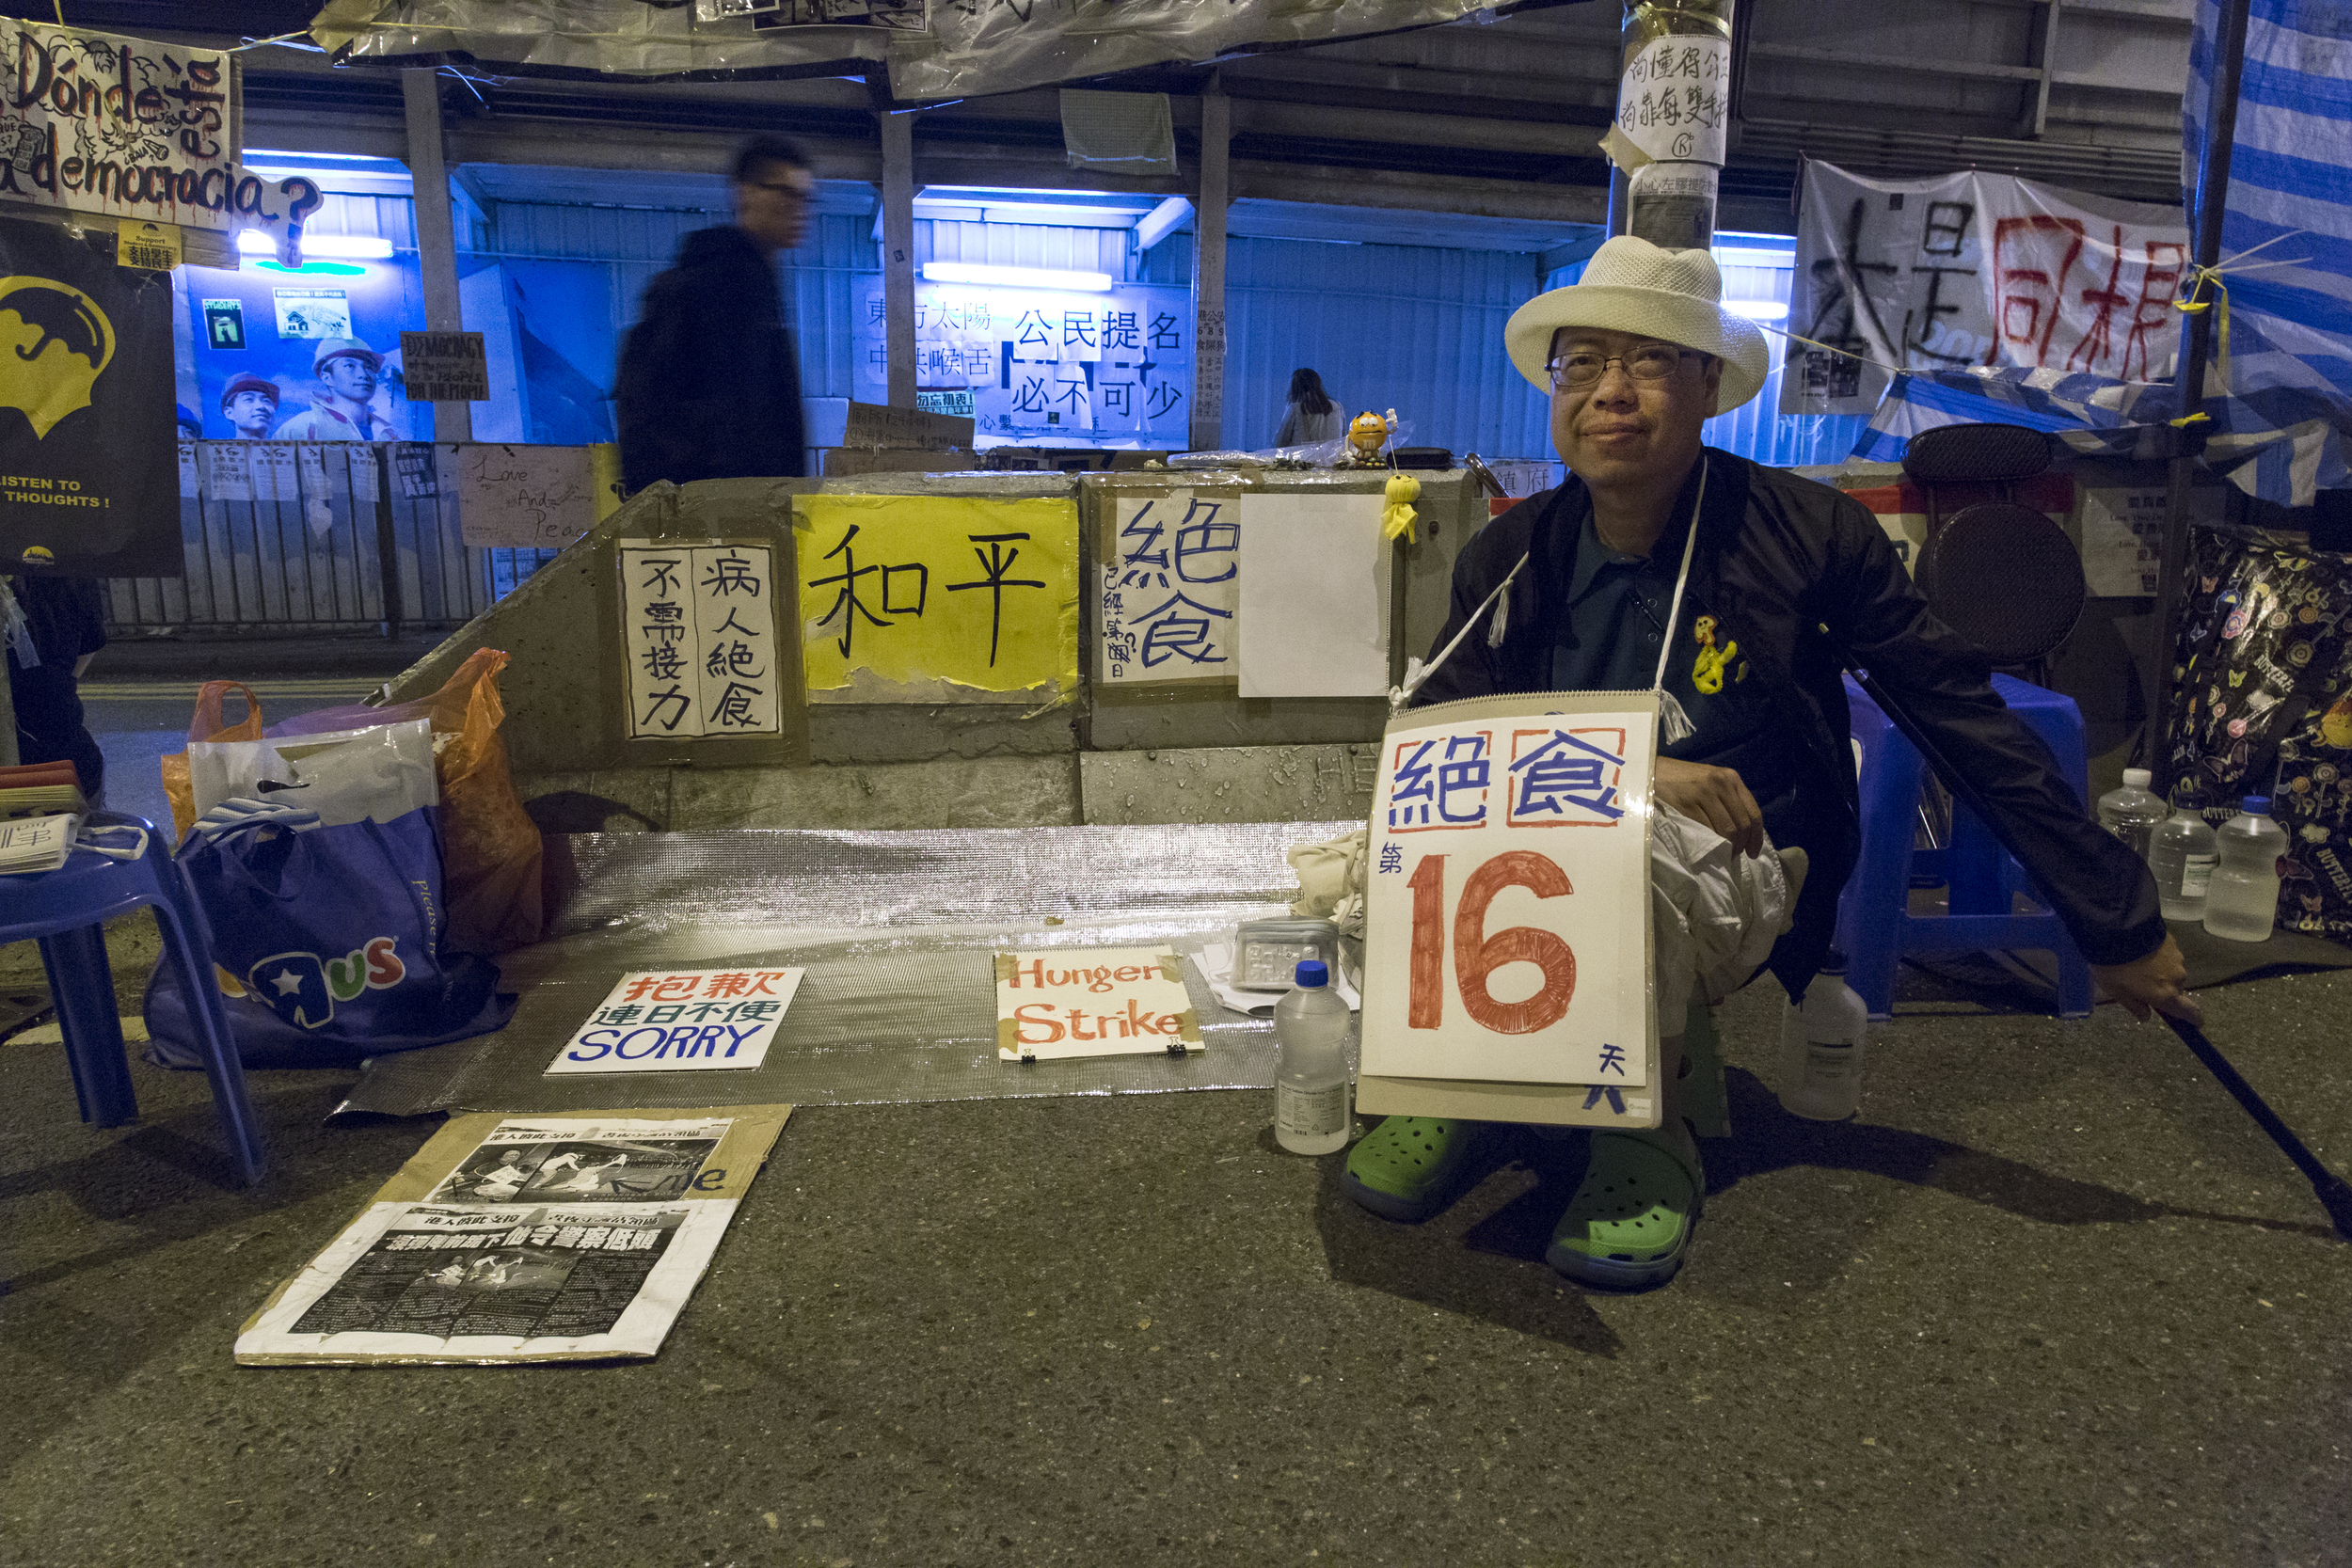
(1507, 913)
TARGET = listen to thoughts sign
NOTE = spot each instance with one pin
(89, 478)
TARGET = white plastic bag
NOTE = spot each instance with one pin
(378, 774)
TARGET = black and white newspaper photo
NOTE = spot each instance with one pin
(567, 1237)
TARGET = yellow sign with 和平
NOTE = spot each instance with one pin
(938, 598)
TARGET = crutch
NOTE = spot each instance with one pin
(2334, 1191)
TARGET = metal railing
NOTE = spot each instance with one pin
(318, 536)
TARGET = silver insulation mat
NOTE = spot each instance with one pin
(895, 931)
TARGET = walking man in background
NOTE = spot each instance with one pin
(709, 383)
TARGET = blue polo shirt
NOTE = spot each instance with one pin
(1610, 640)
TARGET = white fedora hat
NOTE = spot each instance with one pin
(1633, 286)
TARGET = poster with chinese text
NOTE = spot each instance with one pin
(938, 598)
(1973, 269)
(1045, 367)
(1169, 582)
(681, 1021)
(1508, 901)
(699, 631)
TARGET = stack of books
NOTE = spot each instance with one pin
(41, 807)
(41, 789)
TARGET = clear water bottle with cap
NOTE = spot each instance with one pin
(2131, 812)
(2242, 901)
(2183, 856)
(1311, 1028)
(1821, 1067)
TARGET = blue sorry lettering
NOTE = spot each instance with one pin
(736, 1036)
(661, 1038)
(590, 1039)
(684, 1038)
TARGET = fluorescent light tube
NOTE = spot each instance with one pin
(1016, 278)
(341, 247)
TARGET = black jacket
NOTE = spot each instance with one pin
(65, 617)
(710, 386)
(1803, 578)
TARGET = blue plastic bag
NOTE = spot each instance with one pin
(326, 946)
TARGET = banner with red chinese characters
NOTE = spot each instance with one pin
(1973, 269)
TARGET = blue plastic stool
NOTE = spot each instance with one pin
(66, 909)
(1875, 925)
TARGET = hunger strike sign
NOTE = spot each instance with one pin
(1095, 1002)
(1507, 907)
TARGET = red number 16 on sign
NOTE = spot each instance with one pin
(1477, 956)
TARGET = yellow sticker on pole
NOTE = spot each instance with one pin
(925, 598)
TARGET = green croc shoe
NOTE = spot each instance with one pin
(1629, 1225)
(1410, 1167)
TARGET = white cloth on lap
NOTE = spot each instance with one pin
(1716, 912)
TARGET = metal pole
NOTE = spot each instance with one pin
(1208, 271)
(437, 238)
(1669, 197)
(897, 214)
(388, 541)
(2212, 196)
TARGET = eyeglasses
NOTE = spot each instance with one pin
(1649, 362)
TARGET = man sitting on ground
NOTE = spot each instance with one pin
(1790, 581)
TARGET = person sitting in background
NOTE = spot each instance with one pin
(1312, 416)
(349, 371)
(249, 403)
(65, 626)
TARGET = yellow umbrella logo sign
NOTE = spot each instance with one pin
(55, 343)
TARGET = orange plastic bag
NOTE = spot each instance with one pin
(490, 849)
(206, 726)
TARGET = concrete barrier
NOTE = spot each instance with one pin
(1094, 754)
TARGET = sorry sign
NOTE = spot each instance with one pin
(1092, 1002)
(1508, 908)
(682, 1020)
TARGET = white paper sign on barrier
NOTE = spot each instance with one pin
(1507, 940)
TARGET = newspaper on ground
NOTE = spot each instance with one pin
(572, 1235)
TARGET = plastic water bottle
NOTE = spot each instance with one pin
(1820, 1072)
(2131, 812)
(1311, 1028)
(2242, 901)
(2183, 856)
